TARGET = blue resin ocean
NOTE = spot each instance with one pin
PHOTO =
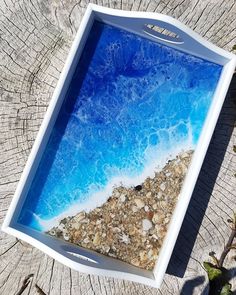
(132, 105)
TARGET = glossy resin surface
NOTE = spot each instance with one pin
(132, 105)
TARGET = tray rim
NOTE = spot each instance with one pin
(193, 170)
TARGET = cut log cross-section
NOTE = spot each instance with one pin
(35, 37)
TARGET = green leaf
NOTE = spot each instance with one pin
(226, 290)
(234, 47)
(212, 271)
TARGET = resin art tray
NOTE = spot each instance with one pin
(112, 170)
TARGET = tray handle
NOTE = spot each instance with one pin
(149, 29)
(182, 37)
(80, 255)
(185, 39)
(83, 258)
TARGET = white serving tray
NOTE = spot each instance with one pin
(188, 41)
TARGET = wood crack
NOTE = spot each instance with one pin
(25, 284)
(9, 249)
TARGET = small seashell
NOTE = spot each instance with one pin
(159, 195)
(139, 203)
(52, 232)
(61, 226)
(124, 238)
(86, 240)
(116, 229)
(158, 218)
(149, 194)
(134, 209)
(122, 198)
(163, 186)
(184, 155)
(96, 239)
(66, 236)
(154, 206)
(154, 237)
(150, 253)
(135, 262)
(106, 249)
(143, 255)
(79, 217)
(146, 208)
(147, 224)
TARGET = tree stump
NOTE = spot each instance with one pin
(35, 37)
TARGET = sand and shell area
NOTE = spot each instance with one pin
(132, 223)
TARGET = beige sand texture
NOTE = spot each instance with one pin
(132, 224)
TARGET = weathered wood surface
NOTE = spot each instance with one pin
(35, 37)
